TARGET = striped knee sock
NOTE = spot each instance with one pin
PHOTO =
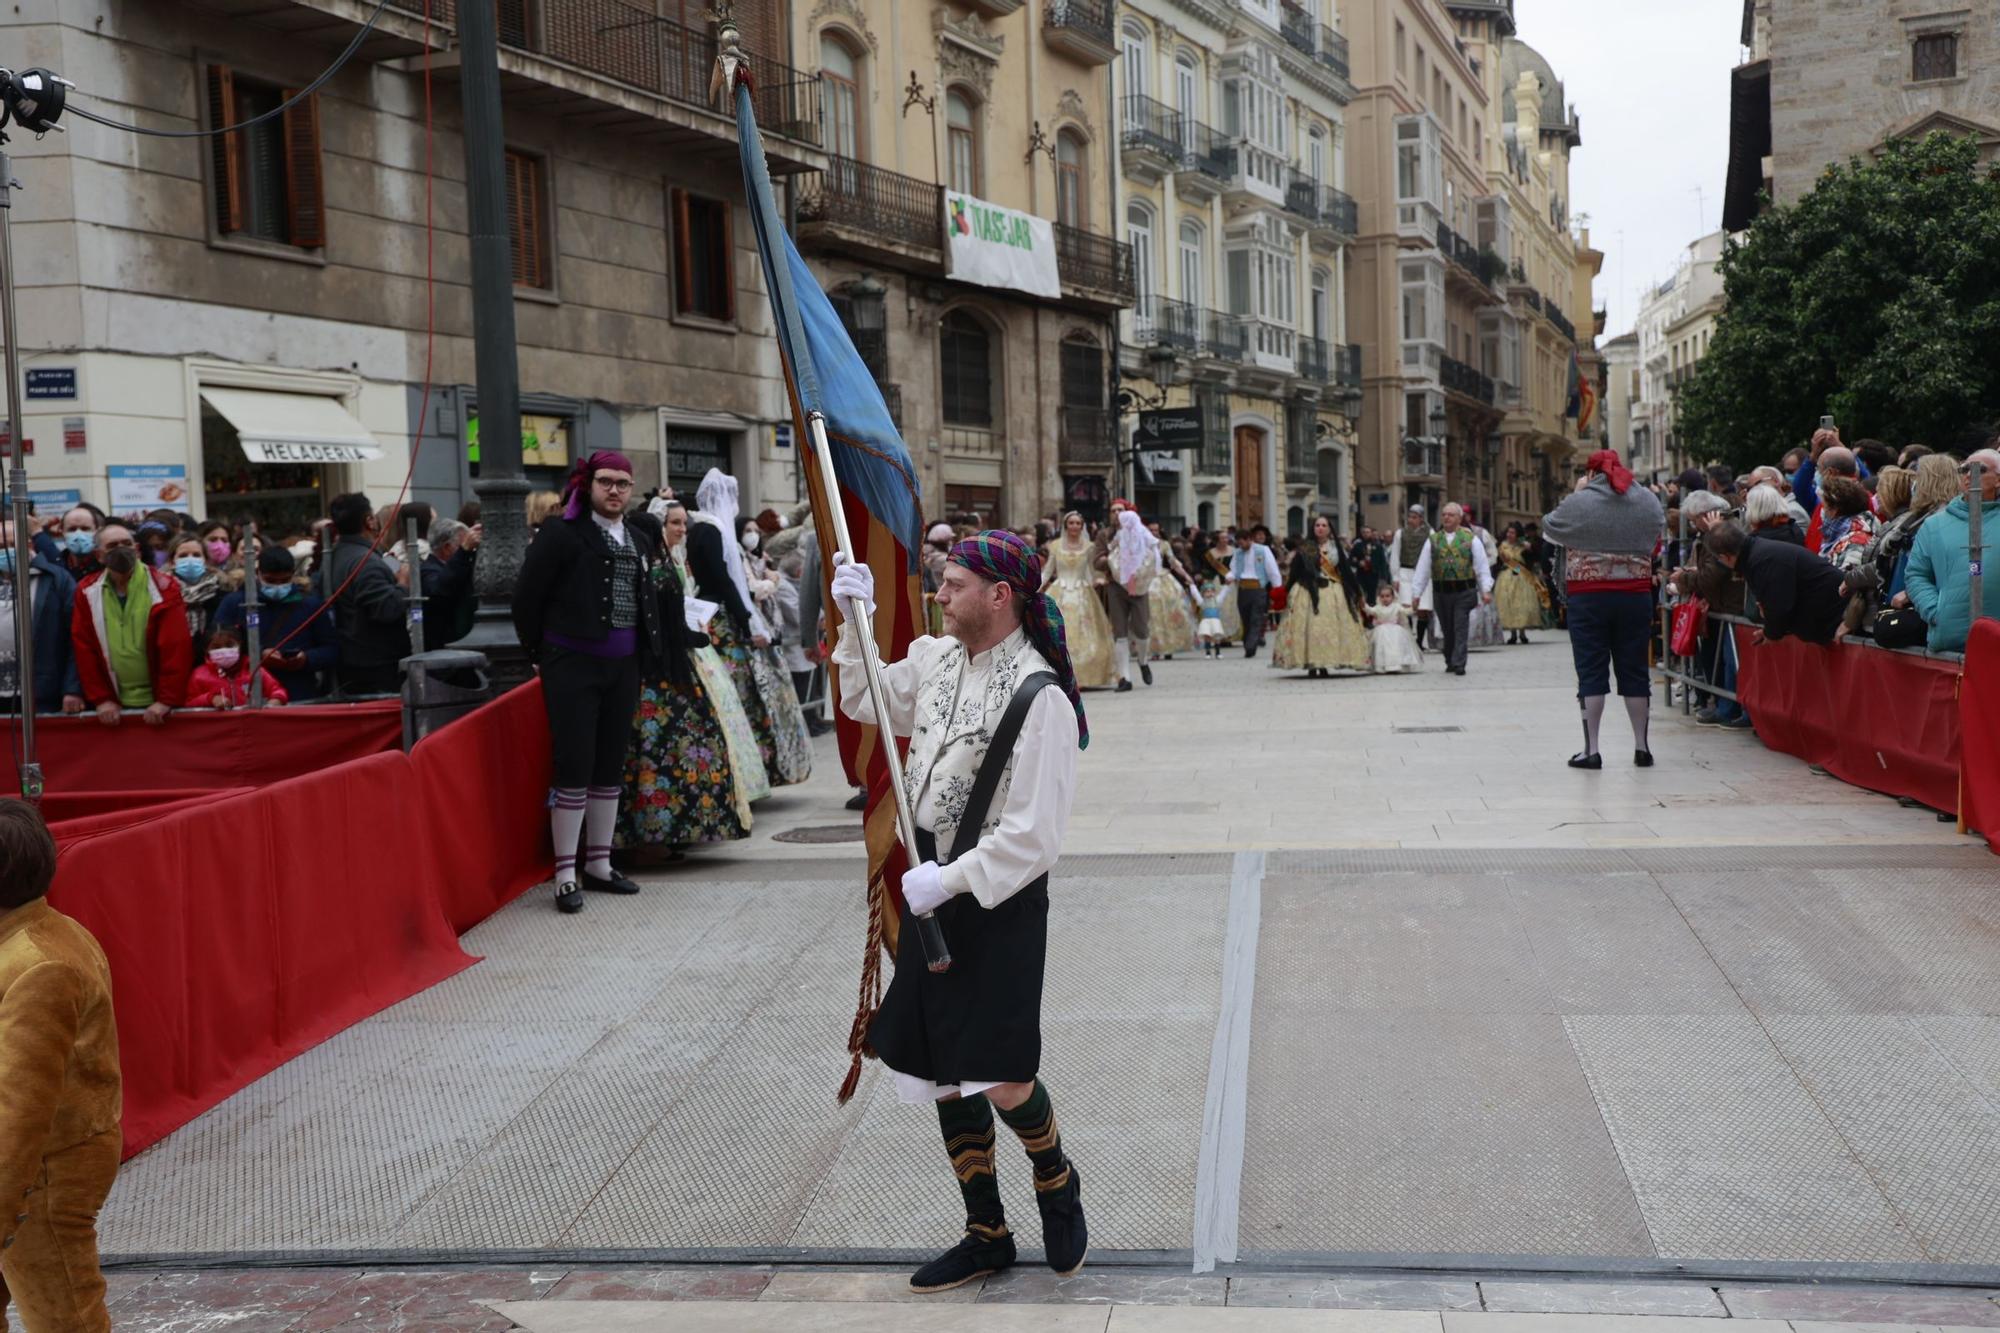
(600, 816)
(565, 824)
(967, 1125)
(1035, 1122)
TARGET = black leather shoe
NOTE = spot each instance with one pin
(1590, 761)
(1065, 1238)
(974, 1256)
(1123, 686)
(1642, 758)
(1146, 673)
(569, 899)
(612, 883)
(858, 801)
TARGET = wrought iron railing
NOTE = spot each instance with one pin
(1085, 259)
(1228, 336)
(656, 55)
(1297, 27)
(1084, 434)
(1088, 18)
(892, 395)
(1313, 362)
(1302, 195)
(869, 198)
(1422, 458)
(1212, 459)
(1347, 365)
(1465, 379)
(1206, 151)
(1532, 297)
(1152, 126)
(1333, 50)
(1160, 322)
(1561, 321)
(1338, 210)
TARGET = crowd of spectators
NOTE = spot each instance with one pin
(1863, 542)
(147, 613)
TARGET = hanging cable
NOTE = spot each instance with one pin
(276, 111)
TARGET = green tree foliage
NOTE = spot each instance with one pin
(1875, 298)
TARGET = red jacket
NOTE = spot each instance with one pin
(207, 682)
(169, 648)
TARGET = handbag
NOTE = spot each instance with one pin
(1899, 627)
(1690, 623)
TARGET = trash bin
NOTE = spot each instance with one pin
(440, 685)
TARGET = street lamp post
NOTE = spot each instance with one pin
(501, 486)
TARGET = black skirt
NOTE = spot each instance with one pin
(980, 1022)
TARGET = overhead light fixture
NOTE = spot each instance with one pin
(33, 98)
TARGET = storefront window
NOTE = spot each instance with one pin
(281, 497)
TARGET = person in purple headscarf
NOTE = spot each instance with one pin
(587, 609)
(990, 776)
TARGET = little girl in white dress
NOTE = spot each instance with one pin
(1394, 649)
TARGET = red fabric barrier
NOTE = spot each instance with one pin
(198, 749)
(83, 814)
(247, 927)
(1885, 721)
(1979, 714)
(492, 784)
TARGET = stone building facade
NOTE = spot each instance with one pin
(1822, 83)
(935, 117)
(1676, 322)
(1233, 152)
(205, 300)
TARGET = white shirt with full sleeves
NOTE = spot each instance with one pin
(1035, 815)
(1481, 566)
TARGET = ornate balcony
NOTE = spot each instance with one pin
(1463, 379)
(1347, 369)
(1153, 139)
(1228, 337)
(854, 206)
(1083, 434)
(1080, 29)
(1296, 25)
(1208, 162)
(1561, 321)
(1173, 325)
(1095, 270)
(1333, 51)
(1313, 361)
(1422, 458)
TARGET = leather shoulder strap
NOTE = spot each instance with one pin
(987, 783)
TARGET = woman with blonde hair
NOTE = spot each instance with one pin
(1934, 483)
(1892, 491)
(1069, 577)
(542, 506)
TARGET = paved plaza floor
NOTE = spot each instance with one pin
(1345, 976)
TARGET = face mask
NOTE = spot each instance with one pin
(277, 592)
(190, 568)
(224, 659)
(121, 561)
(80, 542)
(750, 540)
(218, 551)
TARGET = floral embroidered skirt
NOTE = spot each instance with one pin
(680, 786)
(766, 694)
(746, 764)
(1173, 617)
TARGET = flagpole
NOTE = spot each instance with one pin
(936, 953)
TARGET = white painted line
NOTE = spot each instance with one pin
(1218, 1182)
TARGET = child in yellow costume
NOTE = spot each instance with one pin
(59, 1092)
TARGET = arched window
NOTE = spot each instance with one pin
(1295, 522)
(961, 118)
(1187, 95)
(1137, 62)
(1194, 289)
(840, 71)
(1072, 195)
(1316, 155)
(1204, 516)
(965, 357)
(1322, 306)
(1139, 232)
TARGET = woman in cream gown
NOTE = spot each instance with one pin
(1323, 630)
(746, 761)
(1069, 575)
(1174, 607)
(1217, 557)
(1517, 593)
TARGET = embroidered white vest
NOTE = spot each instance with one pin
(953, 729)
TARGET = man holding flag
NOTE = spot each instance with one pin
(991, 774)
(992, 758)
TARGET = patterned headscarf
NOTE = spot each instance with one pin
(576, 495)
(1001, 557)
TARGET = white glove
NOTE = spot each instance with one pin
(923, 887)
(853, 585)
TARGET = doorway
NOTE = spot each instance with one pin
(1249, 477)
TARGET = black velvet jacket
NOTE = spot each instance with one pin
(565, 584)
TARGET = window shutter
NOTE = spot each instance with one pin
(725, 260)
(228, 184)
(305, 190)
(683, 255)
(517, 224)
(534, 243)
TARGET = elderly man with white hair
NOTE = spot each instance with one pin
(1455, 568)
(1939, 581)
(1782, 487)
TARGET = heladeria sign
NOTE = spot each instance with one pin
(1001, 247)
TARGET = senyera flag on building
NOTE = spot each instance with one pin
(878, 493)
